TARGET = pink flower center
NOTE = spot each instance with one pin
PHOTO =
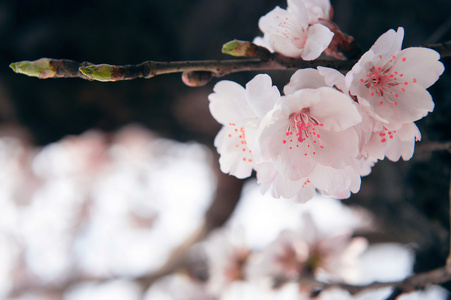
(386, 83)
(292, 32)
(303, 131)
(386, 134)
(238, 135)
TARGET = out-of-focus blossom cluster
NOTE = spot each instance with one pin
(327, 129)
(288, 262)
(96, 206)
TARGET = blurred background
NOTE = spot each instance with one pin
(105, 180)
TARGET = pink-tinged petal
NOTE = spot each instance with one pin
(306, 193)
(388, 143)
(228, 103)
(290, 160)
(336, 182)
(421, 64)
(304, 79)
(400, 149)
(260, 41)
(411, 104)
(261, 95)
(334, 78)
(364, 165)
(409, 131)
(280, 187)
(336, 149)
(318, 39)
(298, 10)
(317, 9)
(284, 31)
(236, 158)
(389, 43)
(252, 133)
(336, 111)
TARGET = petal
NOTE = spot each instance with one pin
(409, 131)
(335, 110)
(275, 145)
(333, 78)
(286, 37)
(412, 104)
(235, 157)
(228, 103)
(421, 64)
(389, 43)
(261, 95)
(304, 79)
(318, 39)
(337, 149)
(298, 9)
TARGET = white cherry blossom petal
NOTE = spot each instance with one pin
(422, 64)
(389, 43)
(261, 95)
(318, 39)
(236, 158)
(228, 103)
(304, 79)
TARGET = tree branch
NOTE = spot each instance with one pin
(195, 73)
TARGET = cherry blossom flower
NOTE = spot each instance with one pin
(307, 252)
(392, 144)
(289, 31)
(240, 111)
(227, 258)
(394, 81)
(308, 127)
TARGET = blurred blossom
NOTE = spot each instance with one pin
(305, 253)
(76, 206)
(271, 216)
(386, 262)
(178, 287)
(112, 290)
(251, 291)
(432, 292)
(227, 256)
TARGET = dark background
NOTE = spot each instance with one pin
(410, 199)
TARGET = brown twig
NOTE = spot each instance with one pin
(206, 69)
(410, 284)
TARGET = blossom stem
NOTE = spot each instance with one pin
(64, 68)
(448, 259)
(410, 284)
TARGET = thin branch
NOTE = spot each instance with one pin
(448, 260)
(204, 69)
(413, 283)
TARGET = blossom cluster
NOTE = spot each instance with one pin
(327, 129)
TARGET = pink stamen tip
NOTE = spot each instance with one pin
(403, 59)
(383, 140)
(284, 141)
